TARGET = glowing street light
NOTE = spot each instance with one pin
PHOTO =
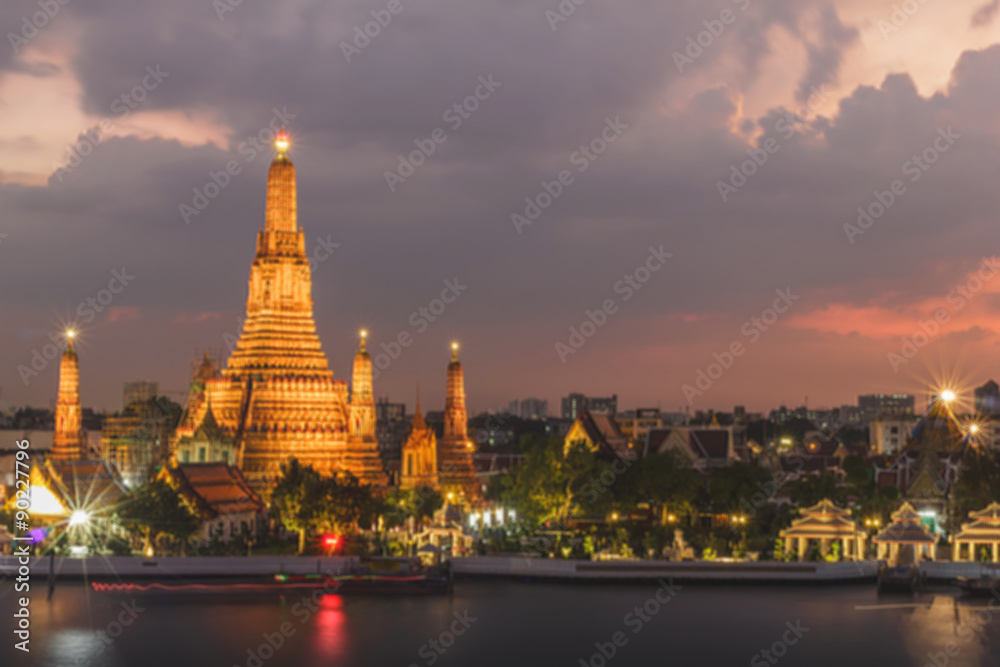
(79, 518)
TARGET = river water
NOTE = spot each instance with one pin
(499, 623)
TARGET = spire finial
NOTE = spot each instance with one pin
(282, 142)
(454, 349)
(364, 336)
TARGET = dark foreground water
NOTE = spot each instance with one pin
(487, 624)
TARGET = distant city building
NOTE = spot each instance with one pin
(886, 405)
(739, 413)
(987, 398)
(389, 412)
(138, 440)
(139, 392)
(574, 405)
(529, 408)
(391, 427)
(635, 424)
(889, 435)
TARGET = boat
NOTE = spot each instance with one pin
(898, 580)
(400, 579)
(984, 586)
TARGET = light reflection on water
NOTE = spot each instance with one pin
(517, 623)
(950, 631)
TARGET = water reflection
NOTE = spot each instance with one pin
(330, 632)
(72, 647)
(949, 631)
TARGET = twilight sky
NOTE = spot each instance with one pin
(871, 91)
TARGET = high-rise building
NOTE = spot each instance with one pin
(574, 405)
(68, 441)
(529, 408)
(457, 474)
(276, 397)
(886, 405)
(888, 435)
(139, 392)
(987, 398)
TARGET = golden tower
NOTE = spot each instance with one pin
(419, 455)
(68, 441)
(277, 398)
(361, 456)
(457, 473)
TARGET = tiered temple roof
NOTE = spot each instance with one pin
(905, 528)
(824, 520)
(984, 527)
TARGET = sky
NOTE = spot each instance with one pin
(654, 200)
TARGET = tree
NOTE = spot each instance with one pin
(420, 503)
(859, 474)
(547, 485)
(813, 488)
(664, 479)
(301, 499)
(156, 509)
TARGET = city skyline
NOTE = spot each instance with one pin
(870, 100)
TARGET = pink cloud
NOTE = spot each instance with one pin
(122, 313)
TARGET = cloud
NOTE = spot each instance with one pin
(985, 14)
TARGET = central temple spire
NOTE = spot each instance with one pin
(281, 210)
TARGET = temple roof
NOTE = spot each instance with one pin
(905, 528)
(93, 485)
(214, 488)
(823, 520)
(985, 527)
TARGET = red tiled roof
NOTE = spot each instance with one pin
(711, 444)
(215, 488)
